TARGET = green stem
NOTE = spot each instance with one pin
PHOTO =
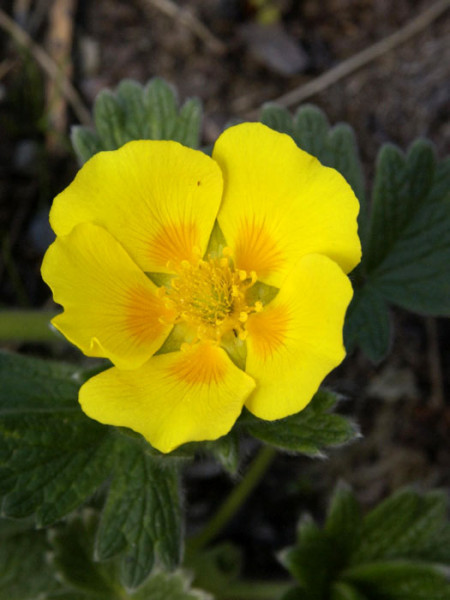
(26, 326)
(254, 590)
(235, 500)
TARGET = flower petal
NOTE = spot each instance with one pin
(111, 308)
(280, 204)
(190, 395)
(157, 198)
(297, 339)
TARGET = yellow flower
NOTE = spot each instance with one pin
(256, 322)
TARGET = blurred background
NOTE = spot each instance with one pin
(381, 66)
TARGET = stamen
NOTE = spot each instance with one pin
(211, 296)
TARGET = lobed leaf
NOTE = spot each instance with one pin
(306, 432)
(142, 516)
(136, 112)
(73, 548)
(409, 245)
(31, 385)
(400, 580)
(386, 555)
(24, 571)
(50, 464)
(368, 323)
(402, 526)
(52, 461)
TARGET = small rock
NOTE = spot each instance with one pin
(273, 47)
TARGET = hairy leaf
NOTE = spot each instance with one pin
(409, 246)
(368, 324)
(142, 515)
(52, 461)
(307, 432)
(24, 571)
(136, 112)
(386, 555)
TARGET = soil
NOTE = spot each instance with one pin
(400, 404)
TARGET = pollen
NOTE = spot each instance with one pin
(210, 295)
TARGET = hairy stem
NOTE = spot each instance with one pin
(26, 326)
(235, 500)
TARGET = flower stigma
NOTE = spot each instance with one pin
(211, 296)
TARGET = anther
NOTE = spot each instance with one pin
(243, 316)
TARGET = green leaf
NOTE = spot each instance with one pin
(277, 118)
(401, 526)
(24, 571)
(52, 457)
(187, 130)
(312, 560)
(109, 116)
(142, 515)
(50, 464)
(344, 521)
(130, 95)
(73, 548)
(161, 109)
(173, 586)
(35, 386)
(368, 324)
(345, 591)
(400, 580)
(85, 142)
(408, 253)
(135, 112)
(387, 555)
(52, 461)
(226, 451)
(215, 568)
(72, 554)
(307, 432)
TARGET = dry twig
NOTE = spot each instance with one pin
(189, 20)
(59, 45)
(48, 65)
(357, 61)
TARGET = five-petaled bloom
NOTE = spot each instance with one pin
(209, 283)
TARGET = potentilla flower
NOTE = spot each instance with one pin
(209, 283)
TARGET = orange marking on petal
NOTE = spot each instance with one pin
(200, 365)
(144, 312)
(174, 243)
(268, 330)
(255, 250)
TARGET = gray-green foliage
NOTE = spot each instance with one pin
(136, 112)
(396, 552)
(53, 458)
(405, 236)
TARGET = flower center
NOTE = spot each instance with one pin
(211, 296)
